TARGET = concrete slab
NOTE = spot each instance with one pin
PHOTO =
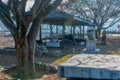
(91, 66)
(96, 51)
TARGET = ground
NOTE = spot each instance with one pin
(54, 57)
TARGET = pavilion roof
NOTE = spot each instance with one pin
(58, 17)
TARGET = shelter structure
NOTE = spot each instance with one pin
(62, 18)
(59, 17)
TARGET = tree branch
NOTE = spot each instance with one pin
(8, 23)
(37, 7)
(6, 18)
(4, 7)
(23, 5)
(42, 14)
(114, 22)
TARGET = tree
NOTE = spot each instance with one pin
(99, 12)
(24, 25)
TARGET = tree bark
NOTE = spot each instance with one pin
(25, 56)
(25, 51)
(98, 33)
(18, 21)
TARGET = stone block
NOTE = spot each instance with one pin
(91, 66)
(53, 44)
(90, 51)
(90, 45)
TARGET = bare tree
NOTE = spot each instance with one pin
(24, 26)
(99, 12)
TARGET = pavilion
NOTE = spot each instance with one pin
(62, 18)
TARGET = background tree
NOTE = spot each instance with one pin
(24, 26)
(98, 11)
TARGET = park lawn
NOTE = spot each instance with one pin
(43, 75)
(112, 47)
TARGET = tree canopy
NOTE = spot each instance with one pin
(24, 26)
(98, 11)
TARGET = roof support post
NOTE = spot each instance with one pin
(57, 29)
(74, 30)
(51, 31)
(63, 30)
(71, 30)
(40, 34)
(63, 35)
(83, 32)
(80, 31)
(74, 35)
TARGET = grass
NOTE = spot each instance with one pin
(62, 59)
(40, 73)
(114, 52)
(5, 76)
(113, 37)
(113, 47)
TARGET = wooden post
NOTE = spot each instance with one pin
(78, 35)
(51, 32)
(74, 36)
(71, 30)
(74, 31)
(80, 31)
(63, 31)
(40, 34)
(83, 32)
(56, 29)
(63, 35)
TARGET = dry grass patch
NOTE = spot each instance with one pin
(62, 59)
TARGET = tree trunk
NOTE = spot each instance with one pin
(98, 33)
(25, 56)
(96, 36)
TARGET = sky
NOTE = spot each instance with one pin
(30, 3)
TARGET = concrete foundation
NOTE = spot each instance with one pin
(91, 66)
